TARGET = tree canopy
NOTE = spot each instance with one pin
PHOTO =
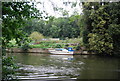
(13, 16)
(102, 27)
(55, 27)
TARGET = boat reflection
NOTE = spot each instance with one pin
(62, 57)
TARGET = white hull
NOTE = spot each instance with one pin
(60, 52)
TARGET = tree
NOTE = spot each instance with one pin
(114, 27)
(103, 27)
(100, 40)
(34, 25)
(13, 16)
(54, 30)
(87, 9)
(36, 36)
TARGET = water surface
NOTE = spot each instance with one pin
(42, 66)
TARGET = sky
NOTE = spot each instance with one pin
(47, 5)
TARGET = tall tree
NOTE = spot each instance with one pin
(104, 28)
(114, 27)
(87, 9)
(13, 16)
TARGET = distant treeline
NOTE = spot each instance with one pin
(55, 27)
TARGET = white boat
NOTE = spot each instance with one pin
(61, 51)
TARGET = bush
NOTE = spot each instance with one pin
(36, 36)
(78, 47)
(58, 46)
(25, 47)
(8, 68)
(12, 43)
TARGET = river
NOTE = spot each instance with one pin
(47, 66)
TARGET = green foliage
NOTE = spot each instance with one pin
(11, 43)
(54, 30)
(74, 40)
(8, 68)
(78, 47)
(58, 46)
(25, 47)
(26, 44)
(86, 26)
(85, 37)
(103, 28)
(55, 27)
(13, 16)
(36, 36)
(47, 45)
(114, 27)
(34, 25)
(43, 45)
(100, 44)
(99, 39)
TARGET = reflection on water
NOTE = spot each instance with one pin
(62, 57)
(41, 66)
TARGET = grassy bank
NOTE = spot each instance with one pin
(49, 44)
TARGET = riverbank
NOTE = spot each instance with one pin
(40, 50)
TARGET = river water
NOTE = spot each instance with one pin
(47, 66)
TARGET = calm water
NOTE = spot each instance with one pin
(42, 66)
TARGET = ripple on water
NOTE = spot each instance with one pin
(39, 72)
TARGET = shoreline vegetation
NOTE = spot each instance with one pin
(96, 29)
(44, 46)
(43, 51)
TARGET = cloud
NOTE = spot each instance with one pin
(48, 5)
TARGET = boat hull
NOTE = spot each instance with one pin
(61, 52)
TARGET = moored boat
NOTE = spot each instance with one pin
(61, 51)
